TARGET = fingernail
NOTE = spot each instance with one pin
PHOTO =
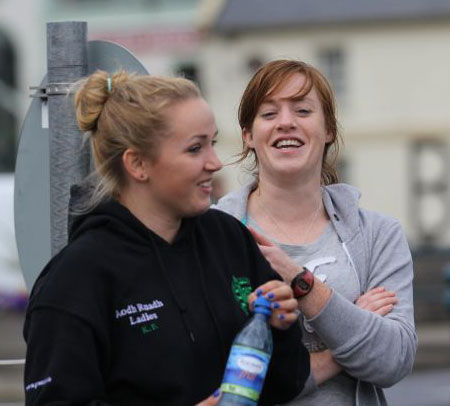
(270, 295)
(281, 316)
(216, 394)
(276, 305)
(259, 292)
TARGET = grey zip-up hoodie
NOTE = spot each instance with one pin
(378, 351)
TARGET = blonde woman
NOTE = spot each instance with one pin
(142, 305)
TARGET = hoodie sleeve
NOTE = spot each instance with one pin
(62, 363)
(373, 348)
(66, 333)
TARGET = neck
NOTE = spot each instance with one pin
(148, 214)
(287, 211)
(289, 200)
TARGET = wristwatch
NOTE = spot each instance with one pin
(302, 283)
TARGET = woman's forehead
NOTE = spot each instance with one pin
(294, 87)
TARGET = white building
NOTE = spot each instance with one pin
(388, 62)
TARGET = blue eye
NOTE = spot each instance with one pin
(195, 148)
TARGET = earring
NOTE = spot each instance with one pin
(143, 177)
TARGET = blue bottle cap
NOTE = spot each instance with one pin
(262, 305)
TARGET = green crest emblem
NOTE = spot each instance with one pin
(241, 289)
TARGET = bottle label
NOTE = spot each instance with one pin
(245, 372)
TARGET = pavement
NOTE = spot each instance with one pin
(431, 374)
(13, 347)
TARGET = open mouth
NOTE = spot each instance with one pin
(288, 143)
(206, 184)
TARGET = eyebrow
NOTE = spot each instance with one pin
(204, 136)
(293, 98)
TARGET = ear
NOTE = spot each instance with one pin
(247, 137)
(329, 138)
(135, 165)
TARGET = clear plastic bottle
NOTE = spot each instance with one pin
(249, 359)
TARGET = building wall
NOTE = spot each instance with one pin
(394, 80)
(395, 92)
(22, 24)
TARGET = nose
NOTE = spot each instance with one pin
(213, 163)
(286, 120)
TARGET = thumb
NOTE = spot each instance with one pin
(259, 238)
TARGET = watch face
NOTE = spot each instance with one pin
(302, 283)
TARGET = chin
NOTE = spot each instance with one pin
(196, 211)
(289, 171)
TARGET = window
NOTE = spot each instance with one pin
(7, 113)
(188, 71)
(332, 63)
(429, 189)
(254, 63)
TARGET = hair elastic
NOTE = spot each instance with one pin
(109, 84)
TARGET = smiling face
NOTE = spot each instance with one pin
(288, 133)
(180, 176)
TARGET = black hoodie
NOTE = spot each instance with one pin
(121, 317)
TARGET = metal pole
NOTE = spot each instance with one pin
(69, 162)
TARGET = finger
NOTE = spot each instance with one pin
(378, 289)
(379, 296)
(367, 300)
(251, 300)
(269, 286)
(283, 320)
(372, 292)
(259, 238)
(276, 292)
(285, 306)
(374, 306)
(382, 294)
(212, 400)
(384, 310)
(265, 251)
(265, 289)
(378, 299)
(279, 293)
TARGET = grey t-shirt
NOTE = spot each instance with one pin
(329, 262)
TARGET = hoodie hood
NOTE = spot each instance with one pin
(118, 219)
(341, 202)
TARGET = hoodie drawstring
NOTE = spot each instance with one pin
(182, 308)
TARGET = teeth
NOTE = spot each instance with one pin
(205, 184)
(288, 143)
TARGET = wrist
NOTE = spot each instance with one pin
(293, 272)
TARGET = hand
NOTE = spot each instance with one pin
(323, 366)
(377, 300)
(212, 400)
(284, 305)
(277, 258)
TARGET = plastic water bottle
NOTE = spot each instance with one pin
(249, 359)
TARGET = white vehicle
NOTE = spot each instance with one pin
(13, 292)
